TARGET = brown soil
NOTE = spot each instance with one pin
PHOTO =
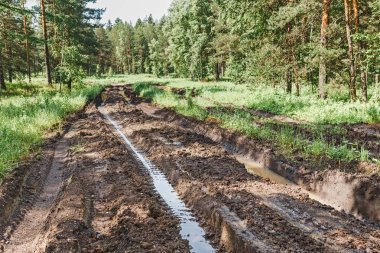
(277, 217)
(95, 198)
(349, 186)
(86, 192)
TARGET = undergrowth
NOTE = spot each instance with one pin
(27, 111)
(336, 109)
(289, 141)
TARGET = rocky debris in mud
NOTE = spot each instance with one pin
(304, 226)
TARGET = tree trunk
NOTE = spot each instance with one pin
(289, 56)
(360, 57)
(27, 50)
(223, 67)
(322, 63)
(352, 84)
(217, 72)
(10, 74)
(289, 80)
(363, 78)
(44, 29)
(356, 14)
(296, 75)
(69, 84)
(10, 66)
(2, 81)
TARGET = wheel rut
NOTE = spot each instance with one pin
(280, 217)
(97, 198)
(28, 236)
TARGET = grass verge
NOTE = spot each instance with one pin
(337, 109)
(289, 141)
(27, 111)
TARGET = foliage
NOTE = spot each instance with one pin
(71, 68)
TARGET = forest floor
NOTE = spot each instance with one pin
(86, 191)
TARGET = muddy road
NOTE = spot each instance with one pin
(102, 185)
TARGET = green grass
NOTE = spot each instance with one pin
(337, 109)
(28, 111)
(288, 140)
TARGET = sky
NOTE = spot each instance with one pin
(129, 10)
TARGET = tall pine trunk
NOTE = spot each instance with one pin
(44, 29)
(27, 49)
(2, 81)
(288, 78)
(10, 66)
(288, 75)
(296, 75)
(363, 72)
(322, 61)
(217, 71)
(364, 80)
(352, 84)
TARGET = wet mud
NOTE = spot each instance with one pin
(100, 200)
(341, 185)
(88, 192)
(229, 199)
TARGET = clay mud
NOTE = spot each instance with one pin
(88, 191)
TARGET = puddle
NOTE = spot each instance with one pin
(257, 169)
(190, 229)
(321, 197)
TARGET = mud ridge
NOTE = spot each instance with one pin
(104, 202)
(356, 194)
(207, 177)
(20, 190)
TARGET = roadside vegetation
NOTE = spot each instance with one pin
(314, 62)
(27, 111)
(306, 107)
(312, 139)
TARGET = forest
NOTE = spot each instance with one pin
(325, 46)
(222, 126)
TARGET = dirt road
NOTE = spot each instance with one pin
(88, 192)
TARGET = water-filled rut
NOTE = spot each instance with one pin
(134, 180)
(190, 229)
(96, 198)
(234, 203)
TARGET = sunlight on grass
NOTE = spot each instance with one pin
(306, 107)
(288, 140)
(27, 111)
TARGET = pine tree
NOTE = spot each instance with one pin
(46, 46)
(322, 64)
